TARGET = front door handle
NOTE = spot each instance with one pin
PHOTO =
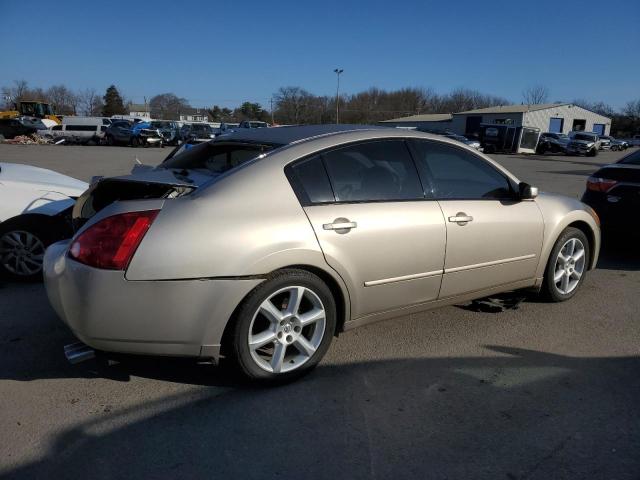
(340, 225)
(461, 218)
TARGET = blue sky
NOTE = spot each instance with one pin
(228, 52)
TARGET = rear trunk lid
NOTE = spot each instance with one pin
(142, 184)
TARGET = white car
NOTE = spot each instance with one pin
(35, 211)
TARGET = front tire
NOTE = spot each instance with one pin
(567, 265)
(22, 245)
(284, 327)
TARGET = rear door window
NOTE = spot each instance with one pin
(310, 181)
(373, 171)
(455, 173)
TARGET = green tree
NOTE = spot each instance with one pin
(215, 113)
(250, 111)
(113, 104)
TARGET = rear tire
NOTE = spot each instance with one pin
(283, 327)
(567, 265)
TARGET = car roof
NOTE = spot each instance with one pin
(288, 135)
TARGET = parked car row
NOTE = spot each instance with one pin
(578, 143)
(120, 131)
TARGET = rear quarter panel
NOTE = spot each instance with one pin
(249, 223)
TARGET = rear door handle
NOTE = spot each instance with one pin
(341, 225)
(461, 218)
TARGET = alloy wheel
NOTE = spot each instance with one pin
(21, 253)
(569, 267)
(287, 329)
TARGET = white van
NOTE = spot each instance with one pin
(88, 130)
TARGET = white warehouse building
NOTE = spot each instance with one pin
(548, 117)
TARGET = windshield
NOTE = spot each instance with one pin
(160, 124)
(217, 157)
(587, 138)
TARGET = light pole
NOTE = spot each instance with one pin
(272, 121)
(338, 71)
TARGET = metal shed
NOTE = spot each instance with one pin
(549, 117)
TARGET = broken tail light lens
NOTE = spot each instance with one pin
(597, 184)
(111, 242)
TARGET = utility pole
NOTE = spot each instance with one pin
(271, 108)
(338, 71)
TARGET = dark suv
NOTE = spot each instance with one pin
(118, 133)
(552, 142)
(198, 132)
(12, 127)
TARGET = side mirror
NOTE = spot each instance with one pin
(526, 191)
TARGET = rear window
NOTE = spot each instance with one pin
(629, 174)
(215, 157)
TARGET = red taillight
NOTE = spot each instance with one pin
(111, 243)
(597, 184)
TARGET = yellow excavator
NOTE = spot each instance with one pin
(31, 109)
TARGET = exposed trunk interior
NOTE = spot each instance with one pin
(107, 191)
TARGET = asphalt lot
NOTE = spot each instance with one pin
(543, 391)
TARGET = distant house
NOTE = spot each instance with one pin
(138, 110)
(190, 114)
(430, 121)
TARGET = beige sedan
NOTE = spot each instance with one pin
(261, 245)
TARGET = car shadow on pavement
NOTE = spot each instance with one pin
(512, 414)
(585, 173)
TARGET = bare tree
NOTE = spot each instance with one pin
(292, 104)
(632, 109)
(21, 88)
(535, 94)
(167, 106)
(63, 99)
(90, 102)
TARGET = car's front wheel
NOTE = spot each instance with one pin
(284, 326)
(22, 245)
(567, 265)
